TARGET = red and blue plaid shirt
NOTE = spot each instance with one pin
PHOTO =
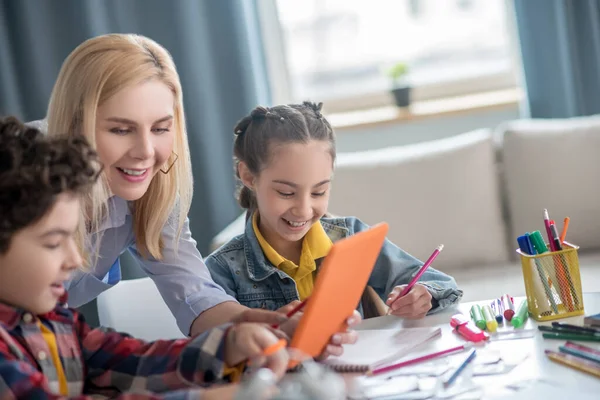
(102, 361)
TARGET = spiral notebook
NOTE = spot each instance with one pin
(376, 348)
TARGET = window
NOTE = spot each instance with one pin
(338, 50)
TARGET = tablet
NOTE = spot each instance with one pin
(340, 283)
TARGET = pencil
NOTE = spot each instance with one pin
(563, 234)
(460, 368)
(292, 312)
(418, 275)
(417, 360)
(274, 348)
(579, 364)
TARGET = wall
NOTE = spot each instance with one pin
(431, 128)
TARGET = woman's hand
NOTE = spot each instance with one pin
(415, 304)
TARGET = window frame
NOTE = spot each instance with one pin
(282, 92)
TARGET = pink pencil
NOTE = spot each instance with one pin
(422, 270)
(417, 360)
(418, 275)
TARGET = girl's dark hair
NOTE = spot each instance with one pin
(256, 134)
(34, 170)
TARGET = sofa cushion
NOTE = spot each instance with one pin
(444, 191)
(553, 164)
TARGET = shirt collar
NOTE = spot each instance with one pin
(11, 316)
(118, 210)
(316, 240)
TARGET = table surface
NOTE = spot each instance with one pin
(536, 366)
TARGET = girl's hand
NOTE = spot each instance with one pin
(334, 348)
(415, 304)
(248, 341)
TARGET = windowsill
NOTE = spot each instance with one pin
(426, 109)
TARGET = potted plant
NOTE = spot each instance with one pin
(400, 87)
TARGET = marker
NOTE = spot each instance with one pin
(548, 229)
(490, 322)
(571, 336)
(582, 329)
(467, 329)
(521, 316)
(478, 316)
(555, 237)
(497, 309)
(508, 307)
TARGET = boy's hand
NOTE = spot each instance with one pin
(247, 341)
(415, 304)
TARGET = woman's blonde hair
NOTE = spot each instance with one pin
(95, 71)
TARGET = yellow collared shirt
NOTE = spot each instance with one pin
(316, 244)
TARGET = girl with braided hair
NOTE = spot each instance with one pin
(284, 160)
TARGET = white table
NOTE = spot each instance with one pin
(537, 365)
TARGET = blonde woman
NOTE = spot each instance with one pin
(123, 93)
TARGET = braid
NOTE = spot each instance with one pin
(316, 108)
(242, 125)
(261, 112)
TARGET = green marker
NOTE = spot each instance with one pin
(538, 242)
(521, 316)
(477, 316)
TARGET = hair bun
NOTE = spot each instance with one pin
(315, 107)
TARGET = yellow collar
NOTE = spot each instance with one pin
(315, 241)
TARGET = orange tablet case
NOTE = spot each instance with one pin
(338, 288)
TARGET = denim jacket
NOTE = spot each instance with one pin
(242, 269)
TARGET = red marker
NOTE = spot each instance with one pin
(467, 329)
(508, 306)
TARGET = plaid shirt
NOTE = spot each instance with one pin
(101, 361)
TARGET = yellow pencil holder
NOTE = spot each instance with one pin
(553, 283)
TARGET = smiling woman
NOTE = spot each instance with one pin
(133, 149)
(123, 93)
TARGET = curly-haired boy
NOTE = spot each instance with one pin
(47, 351)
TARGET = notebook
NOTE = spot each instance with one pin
(376, 348)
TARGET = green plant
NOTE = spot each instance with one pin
(397, 72)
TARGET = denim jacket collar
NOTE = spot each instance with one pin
(259, 268)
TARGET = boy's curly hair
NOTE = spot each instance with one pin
(34, 170)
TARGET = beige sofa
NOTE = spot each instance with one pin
(476, 193)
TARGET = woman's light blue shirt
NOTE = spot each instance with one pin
(181, 277)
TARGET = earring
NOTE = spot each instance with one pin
(170, 166)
